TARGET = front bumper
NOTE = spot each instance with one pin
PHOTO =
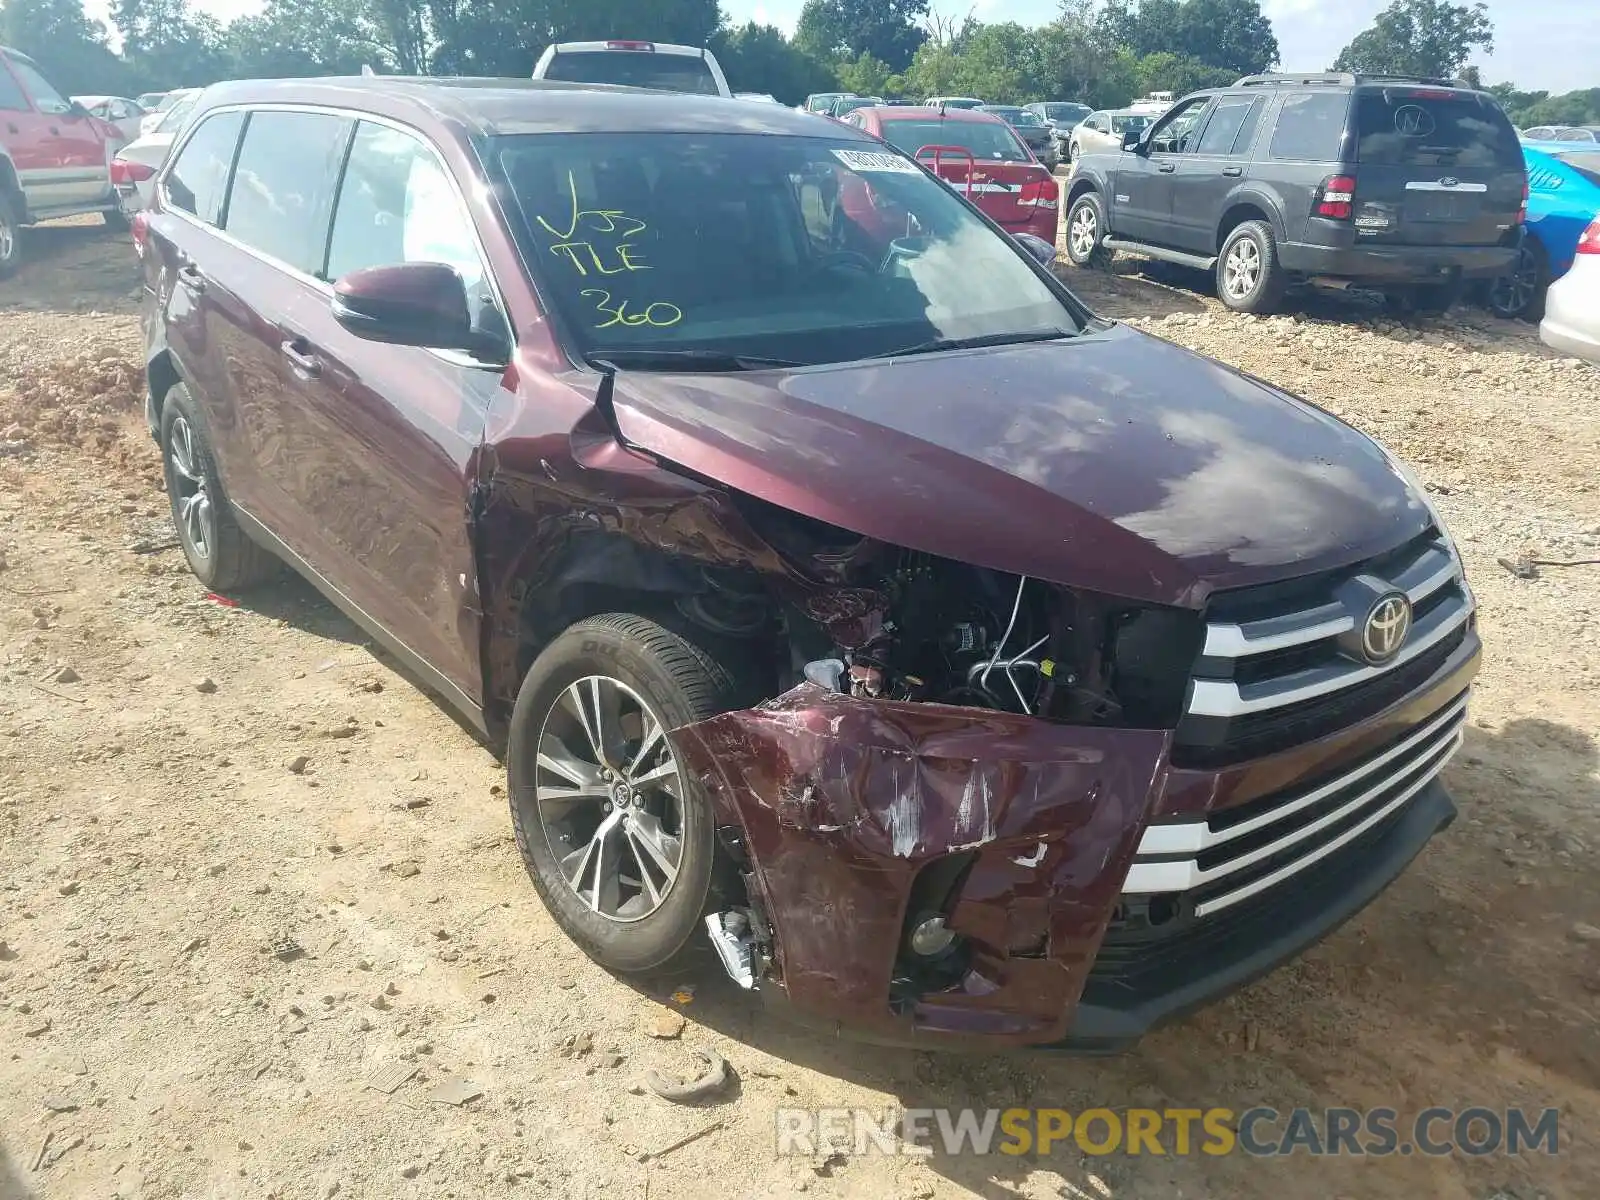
(1379, 263)
(846, 809)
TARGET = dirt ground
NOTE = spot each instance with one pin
(205, 956)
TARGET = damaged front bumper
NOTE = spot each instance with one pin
(857, 818)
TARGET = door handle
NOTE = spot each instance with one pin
(1233, 171)
(192, 277)
(305, 364)
(10, 128)
(1166, 168)
(54, 132)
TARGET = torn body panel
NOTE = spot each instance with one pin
(845, 802)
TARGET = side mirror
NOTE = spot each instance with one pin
(408, 304)
(1038, 249)
(1132, 138)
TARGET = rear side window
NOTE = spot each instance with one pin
(1396, 127)
(987, 142)
(1232, 125)
(1310, 127)
(11, 97)
(283, 185)
(635, 68)
(198, 179)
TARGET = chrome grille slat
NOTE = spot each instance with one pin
(1411, 763)
(1191, 837)
(1225, 698)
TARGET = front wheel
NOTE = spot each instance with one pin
(616, 833)
(1521, 293)
(1086, 230)
(1249, 278)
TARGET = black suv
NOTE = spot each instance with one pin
(1403, 184)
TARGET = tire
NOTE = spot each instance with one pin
(218, 552)
(1249, 278)
(1520, 295)
(116, 220)
(639, 667)
(10, 237)
(1425, 299)
(1086, 229)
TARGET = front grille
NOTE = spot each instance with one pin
(1281, 665)
(1197, 868)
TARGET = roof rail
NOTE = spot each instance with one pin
(1338, 79)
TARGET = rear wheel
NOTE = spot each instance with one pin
(616, 833)
(1249, 278)
(1425, 299)
(219, 553)
(1086, 231)
(10, 237)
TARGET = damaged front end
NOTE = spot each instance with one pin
(935, 815)
(924, 870)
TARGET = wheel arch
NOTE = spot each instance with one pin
(11, 185)
(161, 376)
(1248, 206)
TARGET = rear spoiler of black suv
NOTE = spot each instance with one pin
(1343, 79)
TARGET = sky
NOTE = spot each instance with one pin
(1549, 44)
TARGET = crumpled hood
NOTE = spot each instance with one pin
(1111, 461)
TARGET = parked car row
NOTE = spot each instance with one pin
(838, 561)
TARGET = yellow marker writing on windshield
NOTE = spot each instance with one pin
(659, 314)
(577, 252)
(606, 220)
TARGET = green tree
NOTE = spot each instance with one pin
(1232, 36)
(758, 58)
(1432, 38)
(834, 30)
(865, 75)
(167, 45)
(71, 49)
(1180, 74)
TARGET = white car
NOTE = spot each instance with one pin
(1102, 131)
(125, 114)
(153, 116)
(133, 168)
(629, 63)
(953, 102)
(763, 97)
(1572, 303)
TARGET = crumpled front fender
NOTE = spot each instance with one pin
(843, 801)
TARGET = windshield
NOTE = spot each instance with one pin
(855, 102)
(1032, 120)
(635, 68)
(1065, 112)
(1130, 121)
(807, 250)
(1399, 127)
(958, 102)
(984, 140)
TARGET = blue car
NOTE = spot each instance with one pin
(1563, 197)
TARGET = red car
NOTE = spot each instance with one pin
(55, 159)
(980, 154)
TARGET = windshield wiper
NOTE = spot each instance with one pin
(973, 343)
(685, 360)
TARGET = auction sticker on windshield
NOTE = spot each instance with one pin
(868, 160)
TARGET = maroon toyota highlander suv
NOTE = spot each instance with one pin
(966, 669)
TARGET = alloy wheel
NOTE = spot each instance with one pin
(1242, 269)
(1084, 232)
(1510, 295)
(191, 499)
(610, 797)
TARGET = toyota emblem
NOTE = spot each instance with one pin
(1386, 627)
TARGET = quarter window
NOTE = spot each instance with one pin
(198, 179)
(396, 205)
(1310, 127)
(282, 191)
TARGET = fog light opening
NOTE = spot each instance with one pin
(930, 938)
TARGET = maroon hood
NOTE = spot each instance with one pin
(1111, 461)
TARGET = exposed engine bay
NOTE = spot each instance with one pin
(879, 622)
